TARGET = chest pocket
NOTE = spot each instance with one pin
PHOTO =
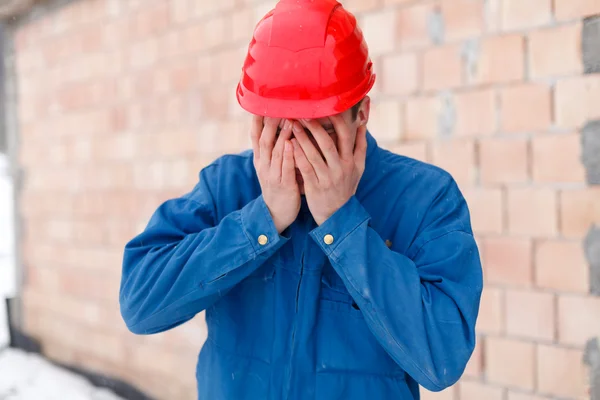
(334, 294)
(241, 323)
(344, 341)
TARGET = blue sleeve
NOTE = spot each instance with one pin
(422, 306)
(184, 260)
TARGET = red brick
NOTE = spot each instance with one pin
(510, 362)
(378, 28)
(500, 60)
(242, 25)
(503, 161)
(143, 54)
(447, 394)
(183, 75)
(570, 9)
(491, 312)
(478, 391)
(23, 37)
(562, 58)
(518, 14)
(159, 385)
(412, 25)
(579, 209)
(84, 284)
(549, 168)
(165, 362)
(486, 208)
(525, 107)
(359, 6)
(104, 346)
(92, 38)
(458, 158)
(176, 109)
(206, 70)
(63, 47)
(43, 277)
(174, 43)
(99, 365)
(194, 38)
(578, 319)
(120, 123)
(475, 112)
(180, 10)
(217, 32)
(474, 367)
(391, 2)
(400, 74)
(59, 351)
(74, 96)
(462, 18)
(187, 336)
(508, 261)
(230, 64)
(442, 68)
(521, 306)
(577, 100)
(260, 9)
(150, 20)
(202, 9)
(118, 232)
(386, 121)
(493, 15)
(240, 140)
(522, 396)
(215, 102)
(88, 232)
(532, 212)
(560, 372)
(416, 150)
(421, 118)
(115, 33)
(561, 265)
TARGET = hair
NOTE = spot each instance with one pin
(354, 110)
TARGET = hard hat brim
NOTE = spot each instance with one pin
(302, 108)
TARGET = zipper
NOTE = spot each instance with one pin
(300, 281)
(293, 342)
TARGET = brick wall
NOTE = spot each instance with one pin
(121, 102)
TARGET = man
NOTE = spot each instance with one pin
(329, 268)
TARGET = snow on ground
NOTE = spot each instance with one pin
(28, 376)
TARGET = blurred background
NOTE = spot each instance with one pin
(112, 106)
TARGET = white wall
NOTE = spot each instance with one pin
(8, 269)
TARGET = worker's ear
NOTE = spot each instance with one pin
(364, 111)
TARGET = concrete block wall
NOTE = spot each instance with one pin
(121, 102)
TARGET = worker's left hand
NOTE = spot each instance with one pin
(329, 183)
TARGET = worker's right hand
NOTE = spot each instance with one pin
(275, 166)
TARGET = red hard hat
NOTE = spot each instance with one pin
(307, 59)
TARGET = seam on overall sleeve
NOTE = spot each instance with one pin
(377, 319)
(439, 237)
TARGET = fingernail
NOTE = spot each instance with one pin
(296, 127)
(286, 124)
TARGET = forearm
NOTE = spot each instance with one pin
(168, 276)
(422, 316)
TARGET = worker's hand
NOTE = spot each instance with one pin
(274, 164)
(329, 183)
